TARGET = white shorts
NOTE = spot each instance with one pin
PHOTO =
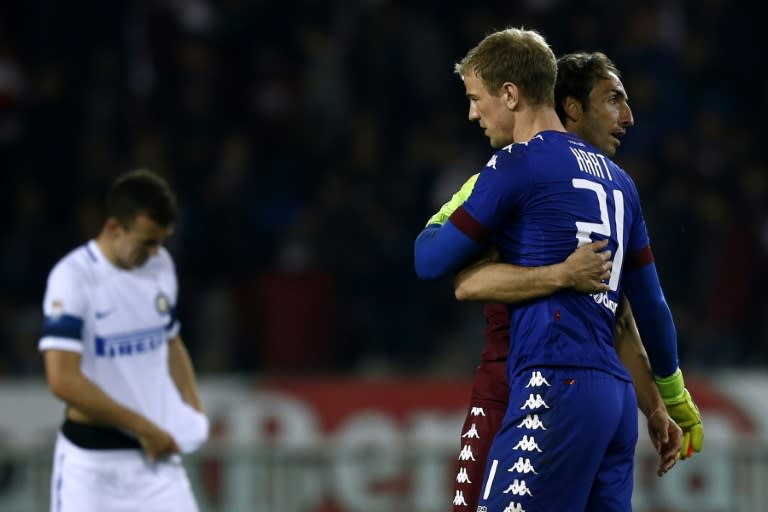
(117, 481)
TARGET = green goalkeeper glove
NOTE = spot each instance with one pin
(681, 408)
(457, 200)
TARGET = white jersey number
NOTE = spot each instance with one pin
(584, 230)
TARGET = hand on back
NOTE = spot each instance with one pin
(589, 267)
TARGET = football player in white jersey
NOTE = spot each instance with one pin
(114, 356)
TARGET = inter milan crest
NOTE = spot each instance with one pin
(162, 303)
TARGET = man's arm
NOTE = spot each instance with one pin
(666, 436)
(88, 403)
(183, 373)
(655, 324)
(583, 271)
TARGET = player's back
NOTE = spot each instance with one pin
(540, 199)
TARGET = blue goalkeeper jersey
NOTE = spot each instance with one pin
(536, 202)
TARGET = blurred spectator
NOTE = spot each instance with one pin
(309, 142)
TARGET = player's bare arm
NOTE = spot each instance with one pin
(87, 403)
(585, 270)
(666, 436)
(183, 373)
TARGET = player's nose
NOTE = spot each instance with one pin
(626, 119)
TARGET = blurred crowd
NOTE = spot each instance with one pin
(309, 141)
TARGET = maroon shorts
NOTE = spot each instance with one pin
(480, 426)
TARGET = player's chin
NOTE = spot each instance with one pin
(611, 147)
(140, 261)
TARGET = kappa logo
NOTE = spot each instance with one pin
(537, 380)
(458, 499)
(463, 477)
(534, 402)
(527, 444)
(532, 422)
(492, 162)
(477, 411)
(471, 433)
(466, 453)
(523, 466)
(514, 507)
(518, 488)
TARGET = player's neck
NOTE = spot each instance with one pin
(106, 249)
(533, 121)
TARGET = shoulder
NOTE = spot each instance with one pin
(508, 158)
(75, 265)
(161, 263)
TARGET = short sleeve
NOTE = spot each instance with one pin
(64, 308)
(170, 283)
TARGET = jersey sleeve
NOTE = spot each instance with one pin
(64, 310)
(643, 289)
(639, 252)
(497, 194)
(442, 249)
(171, 282)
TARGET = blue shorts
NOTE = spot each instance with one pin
(567, 444)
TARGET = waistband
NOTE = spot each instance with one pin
(97, 437)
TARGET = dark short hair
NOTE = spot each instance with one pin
(576, 76)
(141, 192)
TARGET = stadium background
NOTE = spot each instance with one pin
(309, 141)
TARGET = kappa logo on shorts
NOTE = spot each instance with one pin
(471, 433)
(523, 466)
(534, 402)
(458, 499)
(532, 422)
(537, 380)
(527, 444)
(466, 453)
(514, 507)
(463, 477)
(518, 488)
(477, 411)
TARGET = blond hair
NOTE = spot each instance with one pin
(515, 55)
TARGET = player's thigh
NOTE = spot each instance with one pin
(483, 420)
(79, 486)
(612, 489)
(166, 487)
(557, 428)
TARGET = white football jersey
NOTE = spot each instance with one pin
(120, 321)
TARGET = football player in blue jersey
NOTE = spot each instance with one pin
(567, 439)
(113, 354)
(592, 103)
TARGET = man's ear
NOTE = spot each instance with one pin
(573, 108)
(111, 226)
(510, 94)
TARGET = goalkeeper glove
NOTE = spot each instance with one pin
(457, 200)
(681, 408)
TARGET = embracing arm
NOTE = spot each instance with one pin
(583, 271)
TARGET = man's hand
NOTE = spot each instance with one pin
(587, 267)
(683, 410)
(157, 443)
(667, 438)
